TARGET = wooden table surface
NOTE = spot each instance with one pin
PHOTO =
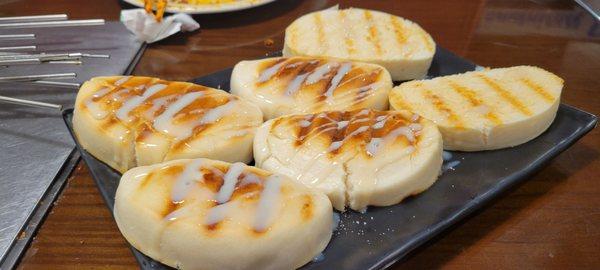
(551, 221)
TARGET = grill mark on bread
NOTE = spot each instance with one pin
(266, 67)
(213, 227)
(363, 77)
(143, 132)
(170, 207)
(144, 182)
(212, 180)
(400, 33)
(329, 84)
(291, 70)
(247, 191)
(426, 39)
(538, 89)
(398, 100)
(439, 104)
(347, 40)
(362, 95)
(303, 69)
(320, 33)
(305, 132)
(471, 97)
(307, 207)
(188, 115)
(293, 35)
(505, 94)
(373, 36)
(109, 122)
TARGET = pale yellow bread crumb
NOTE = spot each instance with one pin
(117, 123)
(294, 85)
(358, 158)
(169, 211)
(485, 110)
(399, 45)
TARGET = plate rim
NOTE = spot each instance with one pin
(502, 186)
(219, 8)
(427, 234)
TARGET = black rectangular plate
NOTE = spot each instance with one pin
(383, 235)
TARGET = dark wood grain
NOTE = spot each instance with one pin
(551, 221)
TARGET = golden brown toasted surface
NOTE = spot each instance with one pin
(112, 94)
(318, 77)
(249, 187)
(353, 129)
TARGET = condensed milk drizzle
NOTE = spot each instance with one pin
(267, 203)
(121, 81)
(119, 96)
(132, 103)
(186, 180)
(229, 181)
(164, 122)
(320, 72)
(409, 131)
(192, 174)
(335, 81)
(332, 71)
(96, 111)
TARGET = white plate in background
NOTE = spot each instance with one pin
(226, 6)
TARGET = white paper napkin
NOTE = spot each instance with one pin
(146, 28)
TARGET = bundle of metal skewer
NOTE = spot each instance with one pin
(28, 54)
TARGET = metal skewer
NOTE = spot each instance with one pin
(53, 56)
(17, 36)
(46, 57)
(18, 48)
(30, 103)
(71, 62)
(52, 24)
(25, 61)
(4, 54)
(36, 18)
(95, 55)
(29, 78)
(35, 59)
(58, 84)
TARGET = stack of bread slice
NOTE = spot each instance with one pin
(330, 139)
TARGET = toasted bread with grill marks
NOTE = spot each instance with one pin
(358, 158)
(134, 121)
(399, 45)
(485, 110)
(207, 214)
(295, 85)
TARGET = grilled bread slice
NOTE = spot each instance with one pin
(133, 121)
(295, 85)
(399, 45)
(207, 214)
(485, 110)
(358, 158)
